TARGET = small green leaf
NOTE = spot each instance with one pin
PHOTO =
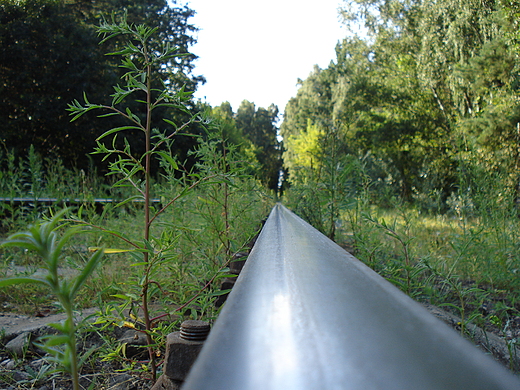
(126, 297)
(220, 292)
(138, 256)
(61, 327)
(21, 280)
(122, 296)
(87, 271)
(230, 276)
(57, 340)
(116, 130)
(139, 264)
(170, 122)
(169, 159)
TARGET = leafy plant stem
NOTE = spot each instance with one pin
(227, 243)
(147, 222)
(72, 346)
(404, 243)
(43, 239)
(205, 287)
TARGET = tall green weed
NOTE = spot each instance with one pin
(216, 178)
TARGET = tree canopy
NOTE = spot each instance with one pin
(259, 126)
(430, 92)
(428, 95)
(50, 56)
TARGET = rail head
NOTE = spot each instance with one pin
(305, 314)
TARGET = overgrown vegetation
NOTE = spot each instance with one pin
(465, 259)
(155, 250)
(43, 239)
(404, 150)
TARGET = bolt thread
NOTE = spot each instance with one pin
(194, 330)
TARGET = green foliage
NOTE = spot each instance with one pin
(190, 236)
(433, 84)
(134, 170)
(219, 177)
(230, 203)
(329, 190)
(457, 263)
(259, 126)
(35, 177)
(404, 240)
(41, 39)
(324, 175)
(45, 241)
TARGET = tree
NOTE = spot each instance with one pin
(50, 56)
(450, 71)
(47, 60)
(324, 171)
(230, 132)
(259, 126)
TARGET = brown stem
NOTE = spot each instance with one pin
(227, 243)
(147, 222)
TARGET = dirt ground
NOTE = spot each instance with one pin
(15, 324)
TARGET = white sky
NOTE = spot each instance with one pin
(257, 50)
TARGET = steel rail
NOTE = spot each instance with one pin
(305, 314)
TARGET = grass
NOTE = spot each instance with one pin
(198, 254)
(186, 282)
(468, 250)
(467, 265)
(195, 259)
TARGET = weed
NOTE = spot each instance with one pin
(404, 239)
(511, 342)
(135, 172)
(43, 239)
(157, 249)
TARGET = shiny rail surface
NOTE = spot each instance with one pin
(305, 314)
